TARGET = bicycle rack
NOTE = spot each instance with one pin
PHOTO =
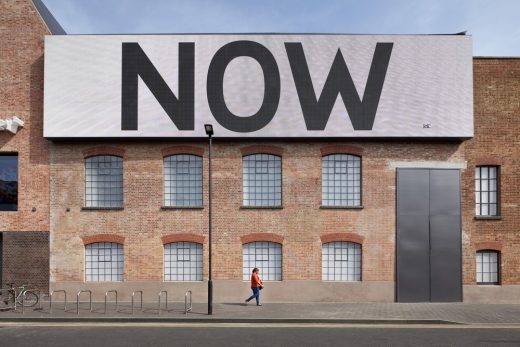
(50, 299)
(106, 294)
(38, 295)
(166, 301)
(9, 290)
(133, 294)
(77, 299)
(186, 307)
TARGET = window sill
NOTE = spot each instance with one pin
(489, 284)
(341, 207)
(488, 217)
(102, 208)
(182, 208)
(261, 207)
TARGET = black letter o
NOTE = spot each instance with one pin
(215, 86)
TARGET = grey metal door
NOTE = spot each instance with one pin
(428, 264)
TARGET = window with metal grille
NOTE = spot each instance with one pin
(486, 191)
(183, 181)
(183, 261)
(104, 262)
(341, 180)
(487, 267)
(104, 181)
(341, 261)
(262, 180)
(266, 256)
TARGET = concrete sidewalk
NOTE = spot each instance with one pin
(376, 313)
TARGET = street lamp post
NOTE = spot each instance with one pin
(209, 132)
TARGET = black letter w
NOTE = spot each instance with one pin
(136, 63)
(316, 112)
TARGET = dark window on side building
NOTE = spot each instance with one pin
(8, 182)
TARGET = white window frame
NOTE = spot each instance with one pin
(176, 193)
(487, 191)
(262, 180)
(341, 261)
(102, 259)
(264, 255)
(104, 181)
(341, 180)
(488, 267)
(183, 261)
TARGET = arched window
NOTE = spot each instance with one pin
(183, 181)
(341, 180)
(341, 261)
(104, 181)
(183, 261)
(267, 256)
(262, 180)
(104, 262)
(488, 267)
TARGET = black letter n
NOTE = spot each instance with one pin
(136, 63)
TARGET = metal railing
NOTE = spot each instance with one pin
(186, 307)
(77, 299)
(50, 299)
(166, 301)
(106, 294)
(133, 294)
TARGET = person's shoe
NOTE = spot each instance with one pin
(258, 304)
(245, 302)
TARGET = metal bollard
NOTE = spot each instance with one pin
(133, 294)
(186, 307)
(166, 300)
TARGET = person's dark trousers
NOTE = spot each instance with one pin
(256, 295)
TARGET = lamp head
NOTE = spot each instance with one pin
(209, 129)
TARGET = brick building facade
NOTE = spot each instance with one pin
(53, 180)
(25, 231)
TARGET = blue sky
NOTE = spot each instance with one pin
(492, 23)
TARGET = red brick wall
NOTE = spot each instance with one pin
(497, 142)
(301, 222)
(21, 94)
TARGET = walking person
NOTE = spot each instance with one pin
(256, 286)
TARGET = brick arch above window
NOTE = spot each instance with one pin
(103, 150)
(261, 237)
(488, 246)
(184, 237)
(341, 149)
(488, 161)
(348, 237)
(174, 150)
(262, 149)
(87, 240)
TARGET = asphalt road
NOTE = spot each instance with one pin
(78, 335)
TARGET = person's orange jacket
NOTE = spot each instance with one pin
(255, 280)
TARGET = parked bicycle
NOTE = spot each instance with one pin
(9, 295)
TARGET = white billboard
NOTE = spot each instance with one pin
(264, 86)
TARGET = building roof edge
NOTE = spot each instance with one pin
(48, 19)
